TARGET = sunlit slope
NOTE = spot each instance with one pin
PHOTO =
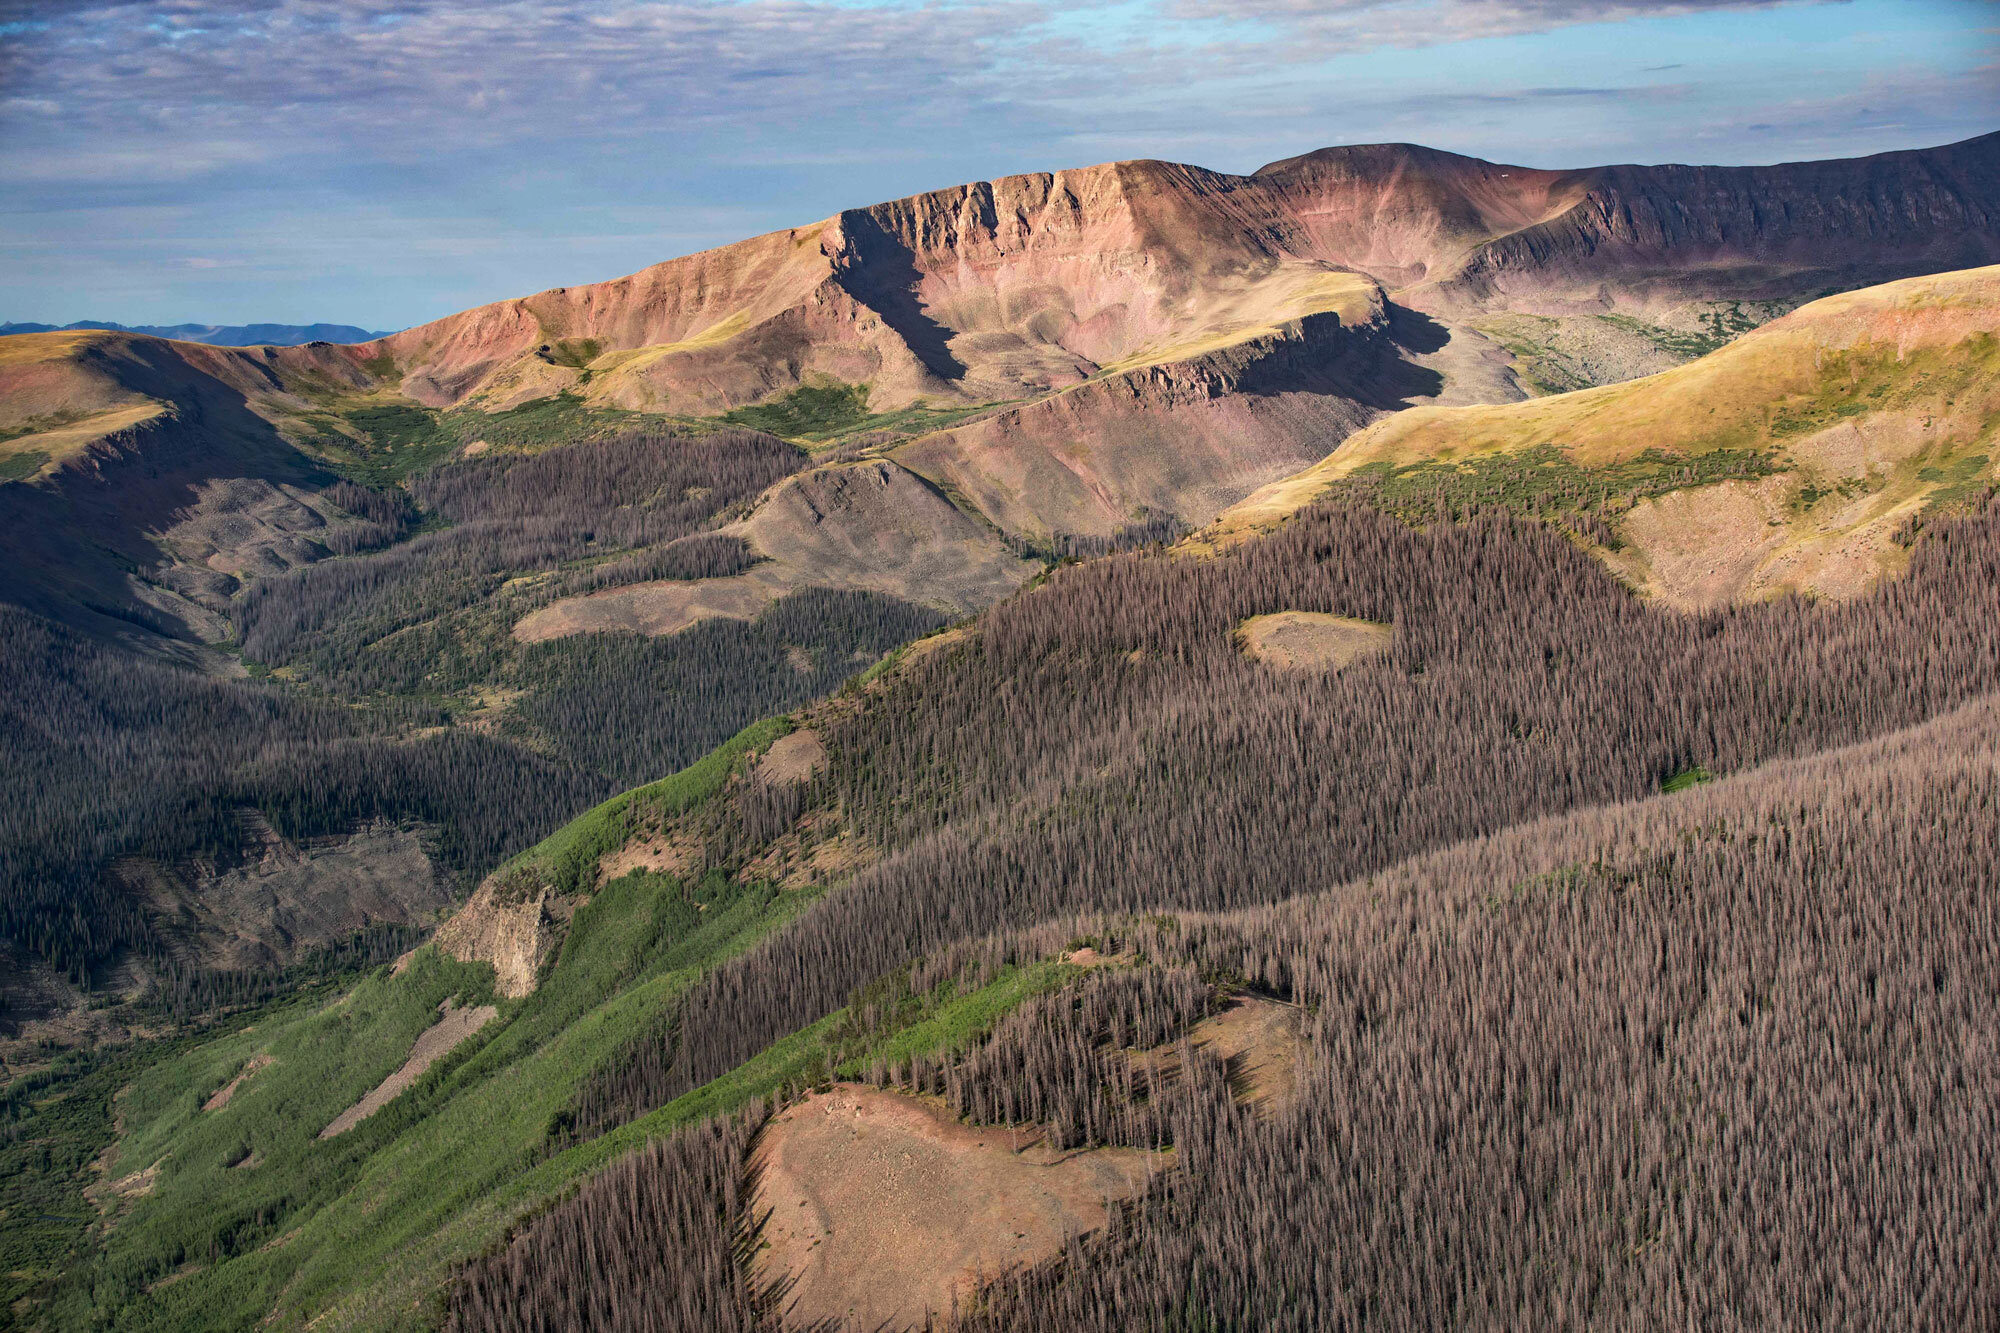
(1016, 287)
(1791, 459)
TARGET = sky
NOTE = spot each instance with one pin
(385, 162)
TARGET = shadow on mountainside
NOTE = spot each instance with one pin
(882, 275)
(72, 545)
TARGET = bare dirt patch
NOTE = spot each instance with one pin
(454, 1025)
(793, 757)
(220, 1097)
(817, 850)
(665, 853)
(1311, 640)
(883, 1209)
(1703, 548)
(115, 1197)
(1260, 1042)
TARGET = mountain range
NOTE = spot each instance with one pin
(216, 335)
(1393, 740)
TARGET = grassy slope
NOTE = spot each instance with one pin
(828, 411)
(1890, 396)
(362, 1231)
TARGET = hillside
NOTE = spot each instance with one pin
(1013, 287)
(1027, 921)
(1128, 340)
(1799, 458)
(604, 527)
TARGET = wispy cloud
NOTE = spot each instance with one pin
(381, 161)
(1312, 28)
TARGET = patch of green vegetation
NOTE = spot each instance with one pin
(53, 1124)
(1721, 324)
(811, 411)
(1727, 321)
(1542, 482)
(397, 425)
(940, 1022)
(1529, 339)
(57, 1120)
(1853, 382)
(21, 466)
(920, 418)
(828, 410)
(56, 420)
(567, 859)
(1687, 778)
(574, 353)
(428, 1180)
(1814, 489)
(548, 423)
(382, 365)
(255, 1219)
(378, 444)
(1958, 480)
(1674, 342)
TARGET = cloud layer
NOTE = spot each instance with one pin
(384, 160)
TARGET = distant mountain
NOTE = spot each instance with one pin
(217, 335)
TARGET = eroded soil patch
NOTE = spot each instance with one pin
(1311, 640)
(220, 1097)
(793, 757)
(884, 1208)
(1260, 1043)
(664, 853)
(454, 1025)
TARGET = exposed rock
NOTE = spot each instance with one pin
(515, 924)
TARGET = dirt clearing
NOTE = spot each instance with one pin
(454, 1025)
(1311, 640)
(793, 757)
(884, 1208)
(1260, 1042)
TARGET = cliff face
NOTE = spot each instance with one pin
(1676, 232)
(1028, 284)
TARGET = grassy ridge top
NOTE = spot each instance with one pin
(1820, 434)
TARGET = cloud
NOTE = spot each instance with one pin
(383, 161)
(405, 79)
(1315, 28)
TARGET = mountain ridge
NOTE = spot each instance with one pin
(215, 335)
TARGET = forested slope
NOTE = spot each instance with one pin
(1532, 981)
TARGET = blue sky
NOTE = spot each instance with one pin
(383, 162)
